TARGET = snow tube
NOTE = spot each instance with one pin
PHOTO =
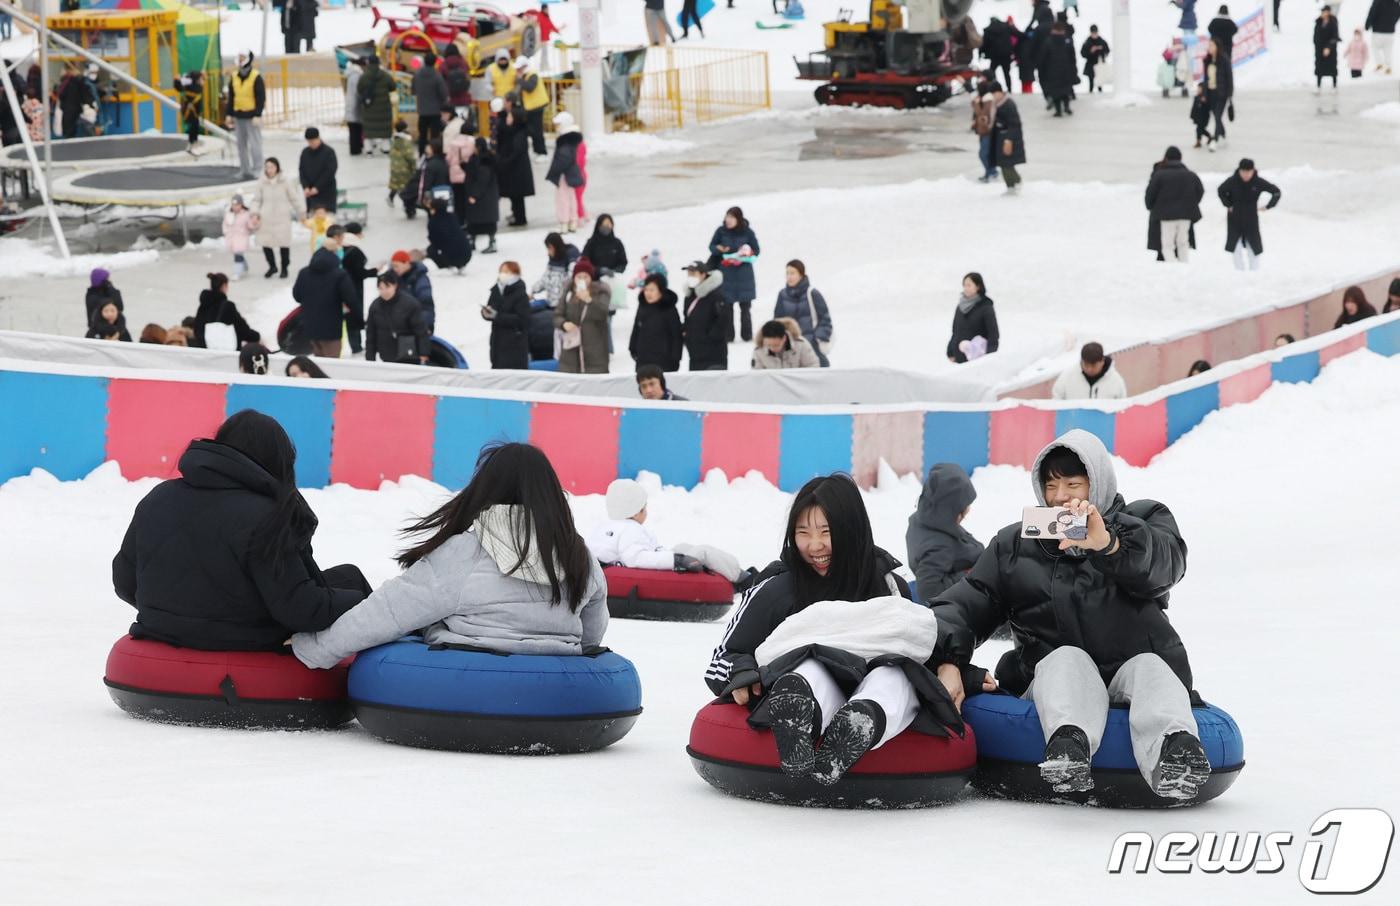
(246, 689)
(290, 338)
(1010, 746)
(910, 771)
(409, 693)
(659, 594)
(544, 364)
(541, 331)
(443, 354)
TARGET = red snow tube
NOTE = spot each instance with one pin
(266, 689)
(659, 594)
(912, 770)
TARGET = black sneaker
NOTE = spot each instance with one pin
(1066, 764)
(1183, 768)
(853, 731)
(796, 719)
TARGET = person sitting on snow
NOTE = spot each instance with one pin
(940, 550)
(1089, 624)
(625, 540)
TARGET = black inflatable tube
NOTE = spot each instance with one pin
(457, 732)
(854, 791)
(216, 711)
(634, 608)
(1113, 788)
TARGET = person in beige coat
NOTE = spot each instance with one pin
(277, 201)
(582, 316)
(780, 344)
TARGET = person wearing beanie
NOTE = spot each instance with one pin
(317, 172)
(1240, 195)
(414, 280)
(243, 110)
(100, 292)
(1173, 199)
(624, 539)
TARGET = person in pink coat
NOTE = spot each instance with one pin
(458, 148)
(238, 229)
(1357, 54)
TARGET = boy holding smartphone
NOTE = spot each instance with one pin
(1089, 623)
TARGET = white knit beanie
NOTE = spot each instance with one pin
(625, 499)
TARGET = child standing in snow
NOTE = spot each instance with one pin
(1357, 54)
(238, 227)
(624, 539)
(1200, 115)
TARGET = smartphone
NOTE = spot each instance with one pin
(1053, 523)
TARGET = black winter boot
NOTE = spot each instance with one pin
(1182, 769)
(796, 719)
(853, 731)
(1066, 764)
(271, 263)
(286, 261)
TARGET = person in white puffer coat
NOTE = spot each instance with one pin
(624, 540)
(1094, 378)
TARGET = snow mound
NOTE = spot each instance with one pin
(28, 258)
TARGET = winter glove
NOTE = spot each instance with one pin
(714, 559)
(686, 564)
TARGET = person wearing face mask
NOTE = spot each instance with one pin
(243, 106)
(795, 654)
(502, 74)
(1089, 625)
(704, 316)
(508, 310)
(582, 316)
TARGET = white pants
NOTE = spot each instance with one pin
(1068, 691)
(887, 687)
(1381, 46)
(1245, 259)
(1176, 239)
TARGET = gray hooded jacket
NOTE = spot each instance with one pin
(940, 550)
(461, 594)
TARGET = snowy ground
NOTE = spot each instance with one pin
(1290, 628)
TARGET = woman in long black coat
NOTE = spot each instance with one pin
(483, 208)
(656, 332)
(220, 558)
(1059, 70)
(1326, 39)
(513, 174)
(706, 337)
(604, 249)
(974, 317)
(1008, 144)
(508, 310)
(1240, 196)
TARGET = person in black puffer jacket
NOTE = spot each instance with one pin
(508, 310)
(940, 550)
(1173, 199)
(394, 328)
(323, 291)
(705, 319)
(974, 317)
(1088, 619)
(604, 249)
(220, 558)
(215, 308)
(100, 291)
(656, 332)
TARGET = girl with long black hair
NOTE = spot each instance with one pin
(796, 654)
(220, 558)
(502, 568)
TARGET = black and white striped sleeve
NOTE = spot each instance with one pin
(732, 664)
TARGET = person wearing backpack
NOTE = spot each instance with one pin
(458, 76)
(804, 305)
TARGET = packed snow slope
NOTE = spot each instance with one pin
(1287, 610)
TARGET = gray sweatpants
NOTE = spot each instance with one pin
(250, 154)
(1068, 691)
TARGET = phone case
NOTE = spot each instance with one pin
(1053, 523)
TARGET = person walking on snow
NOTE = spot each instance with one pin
(704, 318)
(940, 550)
(983, 112)
(1326, 38)
(1174, 196)
(1240, 195)
(1095, 54)
(1058, 73)
(354, 109)
(430, 97)
(1356, 54)
(733, 249)
(1380, 21)
(243, 110)
(1007, 141)
(376, 91)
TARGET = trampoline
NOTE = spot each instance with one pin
(167, 185)
(108, 151)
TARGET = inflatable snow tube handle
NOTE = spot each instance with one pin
(239, 689)
(912, 770)
(659, 594)
(1010, 746)
(437, 697)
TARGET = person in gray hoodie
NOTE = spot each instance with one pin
(504, 569)
(940, 550)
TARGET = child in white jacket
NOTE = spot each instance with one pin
(625, 540)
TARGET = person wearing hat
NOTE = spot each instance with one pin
(1008, 143)
(502, 74)
(624, 539)
(376, 92)
(566, 172)
(100, 292)
(243, 109)
(704, 317)
(534, 98)
(317, 172)
(413, 279)
(1240, 196)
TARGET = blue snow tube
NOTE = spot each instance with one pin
(410, 693)
(1010, 747)
(544, 365)
(443, 354)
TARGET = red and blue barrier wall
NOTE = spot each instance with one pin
(68, 424)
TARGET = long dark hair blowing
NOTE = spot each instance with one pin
(854, 574)
(291, 523)
(516, 474)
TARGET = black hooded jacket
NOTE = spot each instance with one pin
(979, 321)
(395, 330)
(606, 252)
(215, 308)
(656, 333)
(940, 550)
(323, 291)
(187, 563)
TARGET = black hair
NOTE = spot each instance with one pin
(649, 372)
(253, 358)
(976, 278)
(515, 474)
(291, 523)
(274, 161)
(217, 280)
(612, 224)
(1061, 462)
(738, 213)
(1286, 337)
(1197, 367)
(772, 330)
(854, 574)
(993, 86)
(1172, 153)
(558, 250)
(436, 146)
(659, 279)
(1091, 354)
(335, 231)
(308, 367)
(798, 266)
